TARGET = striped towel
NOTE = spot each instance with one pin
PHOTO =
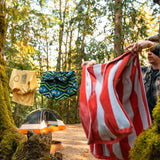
(113, 106)
(59, 84)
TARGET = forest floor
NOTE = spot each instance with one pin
(74, 143)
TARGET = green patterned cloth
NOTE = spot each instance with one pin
(58, 85)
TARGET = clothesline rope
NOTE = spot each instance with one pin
(39, 70)
(152, 46)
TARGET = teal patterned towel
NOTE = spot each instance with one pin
(58, 85)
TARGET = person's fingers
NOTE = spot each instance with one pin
(131, 45)
(92, 62)
(138, 48)
(135, 47)
(84, 63)
(88, 63)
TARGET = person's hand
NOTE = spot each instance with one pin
(135, 47)
(138, 46)
(88, 63)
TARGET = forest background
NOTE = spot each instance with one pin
(56, 35)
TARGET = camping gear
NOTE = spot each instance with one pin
(113, 106)
(42, 121)
(23, 84)
(58, 84)
(55, 146)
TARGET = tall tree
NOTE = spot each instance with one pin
(62, 16)
(9, 135)
(2, 29)
(118, 39)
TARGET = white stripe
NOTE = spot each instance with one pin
(94, 149)
(120, 117)
(104, 132)
(88, 85)
(88, 93)
(126, 99)
(141, 105)
(105, 150)
(117, 150)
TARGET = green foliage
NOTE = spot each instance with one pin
(66, 107)
(147, 144)
(35, 38)
(156, 114)
(98, 51)
(135, 20)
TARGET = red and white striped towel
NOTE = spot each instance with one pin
(113, 106)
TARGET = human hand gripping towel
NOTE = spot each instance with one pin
(113, 106)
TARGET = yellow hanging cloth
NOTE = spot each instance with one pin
(23, 84)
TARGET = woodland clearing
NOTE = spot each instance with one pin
(74, 143)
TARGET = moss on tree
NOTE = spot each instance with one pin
(2, 29)
(147, 144)
(37, 147)
(9, 134)
(10, 137)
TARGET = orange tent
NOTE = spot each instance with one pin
(42, 121)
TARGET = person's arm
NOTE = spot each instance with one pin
(138, 46)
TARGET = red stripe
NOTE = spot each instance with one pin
(118, 75)
(108, 112)
(103, 66)
(105, 100)
(106, 104)
(92, 100)
(92, 103)
(98, 150)
(112, 155)
(124, 145)
(143, 93)
(119, 89)
(134, 104)
(84, 114)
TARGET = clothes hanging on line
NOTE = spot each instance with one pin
(113, 106)
(23, 84)
(58, 84)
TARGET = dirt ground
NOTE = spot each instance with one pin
(74, 143)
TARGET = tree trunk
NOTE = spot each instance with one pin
(61, 30)
(68, 111)
(118, 28)
(2, 29)
(69, 68)
(65, 54)
(9, 135)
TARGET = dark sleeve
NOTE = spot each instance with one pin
(144, 70)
